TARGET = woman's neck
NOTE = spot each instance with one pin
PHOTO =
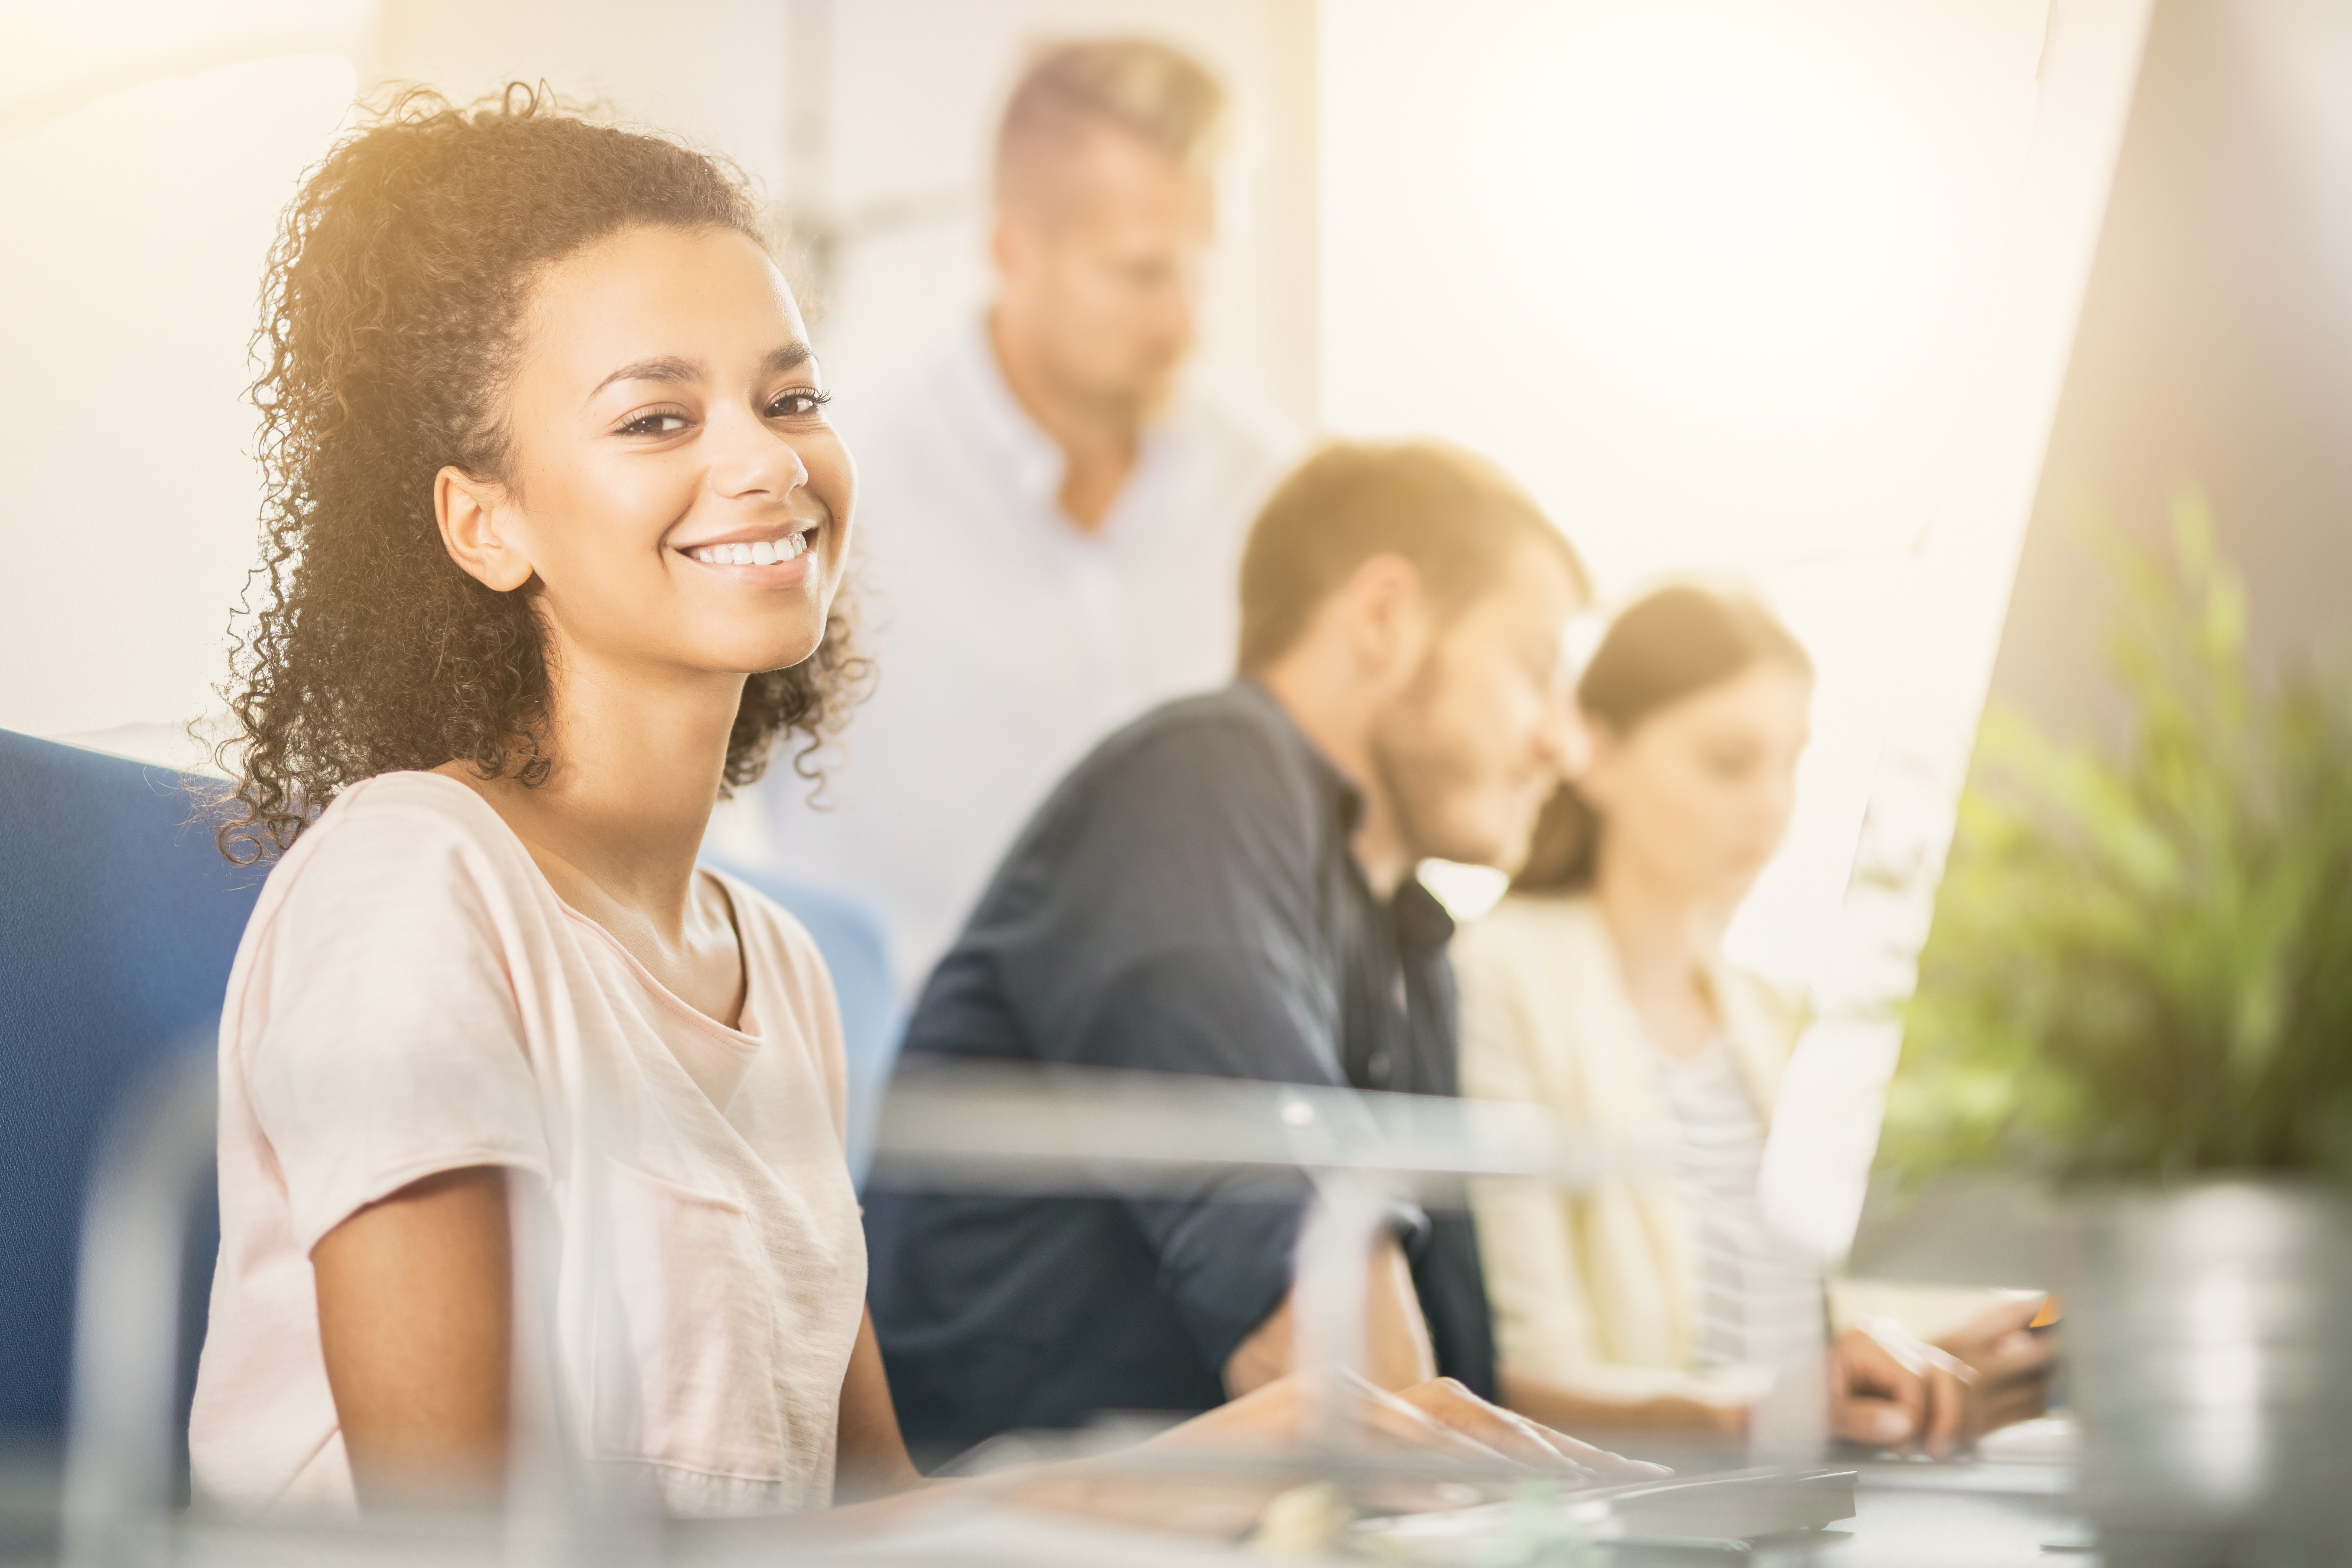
(1661, 936)
(638, 762)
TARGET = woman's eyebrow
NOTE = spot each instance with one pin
(677, 370)
(668, 368)
(791, 356)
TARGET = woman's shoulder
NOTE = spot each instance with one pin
(416, 801)
(1545, 930)
(400, 838)
(1543, 959)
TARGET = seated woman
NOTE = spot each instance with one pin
(1596, 989)
(555, 535)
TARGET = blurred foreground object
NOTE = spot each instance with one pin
(2139, 989)
(563, 1507)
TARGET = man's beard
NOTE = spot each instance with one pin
(1419, 775)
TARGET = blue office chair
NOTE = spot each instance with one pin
(856, 948)
(119, 921)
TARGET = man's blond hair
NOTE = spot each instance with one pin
(1149, 90)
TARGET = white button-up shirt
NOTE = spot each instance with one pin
(1008, 639)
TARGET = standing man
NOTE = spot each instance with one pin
(1054, 519)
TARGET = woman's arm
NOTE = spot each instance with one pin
(415, 1305)
(870, 1456)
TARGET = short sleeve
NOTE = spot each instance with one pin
(380, 1038)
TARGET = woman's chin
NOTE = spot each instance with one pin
(766, 649)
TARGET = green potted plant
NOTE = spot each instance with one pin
(2139, 991)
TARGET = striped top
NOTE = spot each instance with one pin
(1758, 1304)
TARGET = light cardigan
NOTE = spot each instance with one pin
(1595, 1290)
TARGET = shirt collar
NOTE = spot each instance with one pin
(1342, 802)
(1423, 925)
(1031, 457)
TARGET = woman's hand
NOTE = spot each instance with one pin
(1513, 1435)
(1440, 1420)
(2012, 1366)
(1892, 1390)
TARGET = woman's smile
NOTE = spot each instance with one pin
(766, 558)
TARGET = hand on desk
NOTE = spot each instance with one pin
(1474, 1450)
(1889, 1389)
(1439, 1418)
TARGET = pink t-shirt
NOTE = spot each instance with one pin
(411, 996)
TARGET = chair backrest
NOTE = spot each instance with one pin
(119, 921)
(855, 943)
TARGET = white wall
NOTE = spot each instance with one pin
(713, 72)
(1712, 276)
(145, 151)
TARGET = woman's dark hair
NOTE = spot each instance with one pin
(391, 325)
(1674, 644)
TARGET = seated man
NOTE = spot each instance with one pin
(1226, 886)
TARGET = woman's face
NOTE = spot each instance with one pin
(674, 496)
(1695, 798)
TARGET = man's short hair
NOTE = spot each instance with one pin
(1457, 517)
(1159, 94)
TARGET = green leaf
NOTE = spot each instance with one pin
(2141, 964)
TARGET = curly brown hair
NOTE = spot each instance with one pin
(391, 324)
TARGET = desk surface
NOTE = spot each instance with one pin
(1906, 1516)
(1950, 1516)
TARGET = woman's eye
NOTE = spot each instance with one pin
(654, 425)
(797, 404)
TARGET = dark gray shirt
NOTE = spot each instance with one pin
(1185, 901)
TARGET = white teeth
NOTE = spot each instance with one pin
(764, 552)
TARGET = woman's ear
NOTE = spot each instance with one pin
(467, 510)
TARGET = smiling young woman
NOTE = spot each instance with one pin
(555, 544)
(556, 534)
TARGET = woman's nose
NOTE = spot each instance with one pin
(751, 460)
